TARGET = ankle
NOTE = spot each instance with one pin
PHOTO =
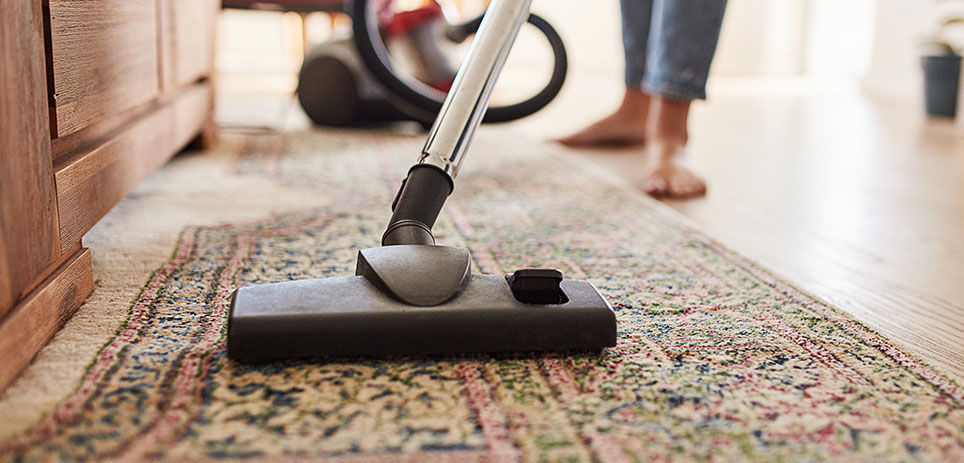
(635, 103)
(670, 122)
(662, 150)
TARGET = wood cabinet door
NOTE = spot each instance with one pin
(188, 30)
(105, 59)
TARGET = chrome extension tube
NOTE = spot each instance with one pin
(471, 90)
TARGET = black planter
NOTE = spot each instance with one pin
(942, 78)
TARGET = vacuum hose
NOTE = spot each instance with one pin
(423, 102)
(417, 205)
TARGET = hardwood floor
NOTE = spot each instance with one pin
(857, 199)
(858, 202)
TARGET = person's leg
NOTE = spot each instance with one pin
(627, 125)
(681, 48)
(664, 173)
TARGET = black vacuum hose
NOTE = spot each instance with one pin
(423, 102)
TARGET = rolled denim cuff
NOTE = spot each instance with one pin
(633, 77)
(674, 90)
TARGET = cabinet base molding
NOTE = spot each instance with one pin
(34, 320)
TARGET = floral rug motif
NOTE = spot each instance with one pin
(716, 360)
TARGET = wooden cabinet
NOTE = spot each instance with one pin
(94, 95)
(29, 240)
(188, 49)
(104, 56)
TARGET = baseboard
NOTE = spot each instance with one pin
(33, 322)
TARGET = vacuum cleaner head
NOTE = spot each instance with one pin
(417, 299)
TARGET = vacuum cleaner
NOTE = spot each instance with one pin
(411, 296)
(354, 81)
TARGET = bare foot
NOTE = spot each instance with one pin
(624, 127)
(616, 130)
(666, 176)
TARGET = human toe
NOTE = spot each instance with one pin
(655, 185)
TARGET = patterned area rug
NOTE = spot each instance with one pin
(717, 359)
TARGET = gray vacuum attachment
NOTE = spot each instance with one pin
(365, 314)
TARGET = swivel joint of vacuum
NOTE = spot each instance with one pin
(417, 205)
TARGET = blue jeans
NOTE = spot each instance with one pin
(669, 45)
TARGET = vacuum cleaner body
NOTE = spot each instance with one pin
(335, 89)
(411, 296)
(357, 81)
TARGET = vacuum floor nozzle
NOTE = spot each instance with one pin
(360, 316)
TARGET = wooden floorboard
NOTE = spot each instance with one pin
(855, 198)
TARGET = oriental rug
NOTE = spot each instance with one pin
(717, 359)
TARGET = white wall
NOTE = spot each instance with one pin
(844, 39)
(840, 37)
(900, 27)
(761, 37)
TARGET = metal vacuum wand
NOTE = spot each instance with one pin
(430, 180)
(471, 90)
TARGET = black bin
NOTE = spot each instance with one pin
(942, 78)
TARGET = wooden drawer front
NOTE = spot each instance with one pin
(92, 184)
(188, 30)
(105, 58)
